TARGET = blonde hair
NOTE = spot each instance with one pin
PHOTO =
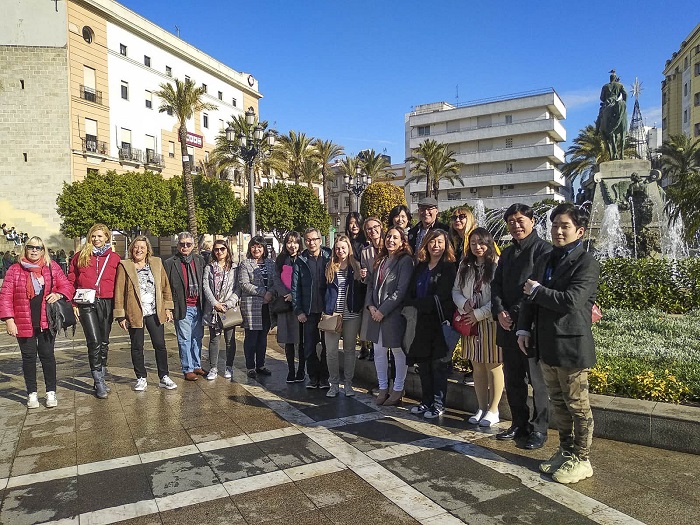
(33, 241)
(149, 248)
(334, 264)
(468, 227)
(86, 250)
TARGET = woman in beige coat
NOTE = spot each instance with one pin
(142, 299)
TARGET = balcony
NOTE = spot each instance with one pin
(551, 152)
(92, 145)
(154, 159)
(131, 155)
(91, 95)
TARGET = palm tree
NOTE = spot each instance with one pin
(311, 172)
(184, 100)
(680, 161)
(295, 148)
(433, 162)
(372, 163)
(326, 151)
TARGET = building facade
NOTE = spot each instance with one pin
(78, 80)
(680, 89)
(508, 147)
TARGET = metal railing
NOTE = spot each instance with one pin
(94, 146)
(91, 95)
(131, 154)
(153, 158)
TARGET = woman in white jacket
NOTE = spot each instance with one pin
(472, 296)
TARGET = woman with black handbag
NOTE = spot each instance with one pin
(221, 293)
(430, 293)
(28, 284)
(289, 329)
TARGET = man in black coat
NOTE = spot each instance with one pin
(428, 211)
(514, 267)
(560, 296)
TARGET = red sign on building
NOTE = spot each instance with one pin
(193, 140)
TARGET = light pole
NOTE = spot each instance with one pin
(357, 184)
(250, 148)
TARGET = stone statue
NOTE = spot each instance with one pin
(612, 116)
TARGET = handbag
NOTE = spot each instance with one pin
(88, 295)
(463, 326)
(596, 313)
(230, 318)
(280, 306)
(331, 323)
(66, 314)
(451, 335)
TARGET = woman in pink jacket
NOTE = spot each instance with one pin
(28, 284)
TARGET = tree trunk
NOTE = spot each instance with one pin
(326, 189)
(187, 183)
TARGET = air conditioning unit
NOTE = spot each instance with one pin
(473, 190)
(506, 187)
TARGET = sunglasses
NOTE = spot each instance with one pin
(220, 249)
(313, 239)
(184, 244)
(31, 247)
(461, 217)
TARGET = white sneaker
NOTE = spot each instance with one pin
(228, 374)
(51, 400)
(141, 384)
(490, 418)
(419, 409)
(167, 383)
(474, 420)
(213, 374)
(434, 412)
(349, 390)
(33, 400)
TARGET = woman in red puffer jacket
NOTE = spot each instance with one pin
(28, 284)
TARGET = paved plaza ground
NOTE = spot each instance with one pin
(262, 451)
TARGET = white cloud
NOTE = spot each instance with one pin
(576, 99)
(652, 116)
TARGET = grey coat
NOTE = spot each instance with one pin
(388, 299)
(228, 295)
(287, 323)
(253, 290)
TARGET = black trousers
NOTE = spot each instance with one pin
(40, 343)
(518, 370)
(255, 342)
(315, 367)
(96, 320)
(433, 380)
(290, 349)
(156, 332)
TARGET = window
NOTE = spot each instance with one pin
(233, 101)
(93, 171)
(125, 90)
(88, 34)
(221, 124)
(685, 116)
(509, 167)
(509, 142)
(509, 119)
(221, 96)
(204, 88)
(90, 135)
(697, 69)
(347, 202)
(187, 78)
(150, 149)
(171, 149)
(454, 195)
(149, 99)
(89, 92)
(423, 131)
(169, 71)
(125, 136)
(685, 89)
(205, 120)
(697, 99)
(122, 49)
(697, 130)
(146, 61)
(335, 203)
(664, 98)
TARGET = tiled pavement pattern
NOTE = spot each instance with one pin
(262, 451)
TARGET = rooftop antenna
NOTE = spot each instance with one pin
(178, 31)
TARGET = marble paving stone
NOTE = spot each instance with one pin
(216, 512)
(253, 483)
(108, 464)
(335, 488)
(48, 418)
(89, 437)
(27, 505)
(313, 470)
(261, 423)
(65, 457)
(100, 449)
(313, 517)
(140, 513)
(272, 503)
(217, 444)
(337, 407)
(164, 440)
(379, 508)
(49, 429)
(112, 488)
(293, 451)
(28, 446)
(375, 434)
(180, 474)
(169, 453)
(239, 462)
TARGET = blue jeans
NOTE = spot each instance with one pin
(190, 332)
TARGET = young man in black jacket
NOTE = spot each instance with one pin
(514, 268)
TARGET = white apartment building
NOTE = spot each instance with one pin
(509, 148)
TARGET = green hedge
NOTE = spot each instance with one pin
(639, 284)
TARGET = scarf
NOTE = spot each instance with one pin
(33, 285)
(101, 251)
(192, 288)
(557, 255)
(219, 278)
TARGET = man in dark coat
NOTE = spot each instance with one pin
(185, 270)
(514, 267)
(428, 211)
(560, 296)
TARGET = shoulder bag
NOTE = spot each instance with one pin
(331, 323)
(451, 335)
(230, 318)
(88, 295)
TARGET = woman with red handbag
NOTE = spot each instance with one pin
(472, 296)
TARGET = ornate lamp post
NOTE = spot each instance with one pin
(357, 184)
(249, 148)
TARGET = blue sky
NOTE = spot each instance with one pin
(348, 71)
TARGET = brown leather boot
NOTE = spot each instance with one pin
(394, 399)
(382, 396)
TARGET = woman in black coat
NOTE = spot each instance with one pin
(431, 284)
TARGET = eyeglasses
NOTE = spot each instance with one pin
(313, 239)
(461, 217)
(220, 249)
(31, 247)
(184, 244)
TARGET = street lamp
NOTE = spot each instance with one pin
(250, 148)
(357, 184)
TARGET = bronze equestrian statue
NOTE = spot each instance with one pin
(612, 117)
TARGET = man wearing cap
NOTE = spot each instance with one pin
(427, 211)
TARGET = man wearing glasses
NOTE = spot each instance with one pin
(185, 270)
(428, 212)
(308, 294)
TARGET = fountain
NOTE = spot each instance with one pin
(611, 241)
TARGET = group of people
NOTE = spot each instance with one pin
(527, 309)
(11, 234)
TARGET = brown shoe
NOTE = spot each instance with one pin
(191, 376)
(382, 396)
(394, 399)
(199, 372)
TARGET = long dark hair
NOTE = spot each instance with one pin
(228, 260)
(405, 248)
(468, 263)
(395, 211)
(284, 253)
